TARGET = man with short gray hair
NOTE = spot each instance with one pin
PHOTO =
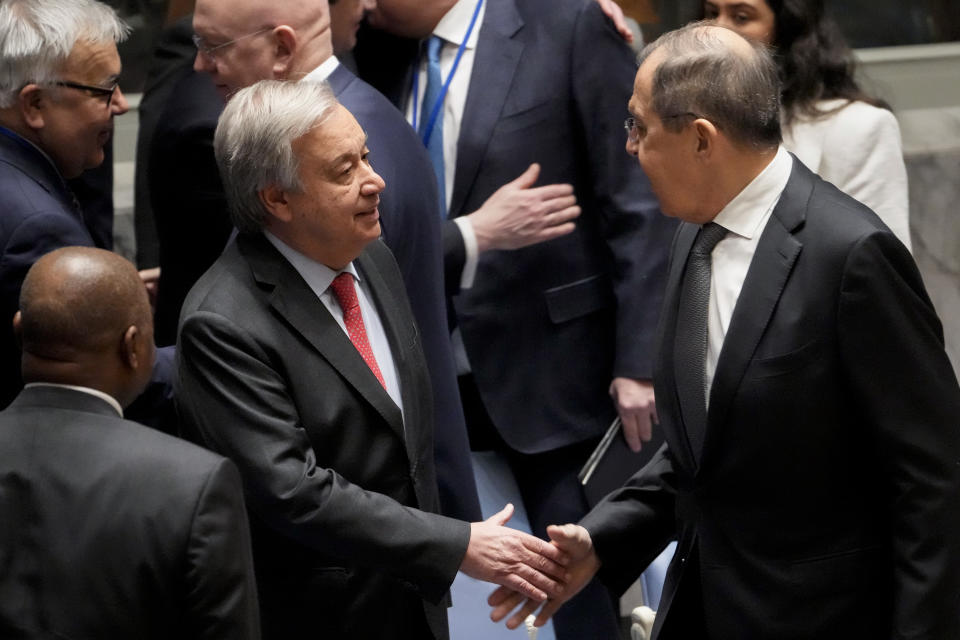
(58, 95)
(810, 471)
(300, 361)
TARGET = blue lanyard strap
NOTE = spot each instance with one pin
(435, 111)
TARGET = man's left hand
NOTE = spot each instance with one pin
(637, 408)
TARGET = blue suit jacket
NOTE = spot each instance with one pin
(37, 215)
(547, 327)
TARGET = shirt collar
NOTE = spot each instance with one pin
(455, 22)
(744, 214)
(93, 392)
(321, 73)
(318, 276)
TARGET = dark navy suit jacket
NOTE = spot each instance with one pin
(547, 327)
(37, 215)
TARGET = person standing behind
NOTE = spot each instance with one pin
(546, 332)
(109, 529)
(844, 135)
(58, 96)
(810, 411)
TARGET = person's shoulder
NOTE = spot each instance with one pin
(851, 120)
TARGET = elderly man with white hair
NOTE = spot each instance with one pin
(58, 95)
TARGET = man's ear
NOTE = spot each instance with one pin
(706, 137)
(129, 347)
(274, 199)
(285, 46)
(31, 100)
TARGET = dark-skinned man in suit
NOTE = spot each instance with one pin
(109, 529)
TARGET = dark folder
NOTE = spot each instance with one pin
(612, 463)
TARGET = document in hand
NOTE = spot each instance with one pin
(612, 463)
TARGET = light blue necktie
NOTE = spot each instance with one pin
(435, 143)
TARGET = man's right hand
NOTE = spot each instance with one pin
(517, 561)
(583, 564)
(519, 214)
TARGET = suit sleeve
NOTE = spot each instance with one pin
(636, 233)
(228, 390)
(632, 525)
(908, 393)
(221, 593)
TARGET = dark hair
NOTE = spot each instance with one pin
(814, 60)
(701, 76)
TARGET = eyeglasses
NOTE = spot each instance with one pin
(210, 52)
(636, 129)
(95, 91)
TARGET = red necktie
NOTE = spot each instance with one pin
(346, 295)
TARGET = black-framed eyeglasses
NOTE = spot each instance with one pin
(95, 91)
(210, 53)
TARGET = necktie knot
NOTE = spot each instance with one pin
(710, 234)
(344, 291)
(434, 45)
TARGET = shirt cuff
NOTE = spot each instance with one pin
(470, 249)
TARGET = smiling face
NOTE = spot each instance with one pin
(752, 19)
(76, 123)
(345, 19)
(334, 216)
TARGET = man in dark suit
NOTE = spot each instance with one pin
(811, 461)
(109, 529)
(300, 360)
(49, 132)
(549, 331)
(300, 47)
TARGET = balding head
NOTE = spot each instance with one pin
(713, 72)
(85, 320)
(276, 40)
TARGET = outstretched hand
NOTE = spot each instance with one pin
(519, 214)
(517, 561)
(583, 564)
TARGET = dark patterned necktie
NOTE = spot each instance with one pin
(690, 342)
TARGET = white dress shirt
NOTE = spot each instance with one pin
(319, 277)
(745, 217)
(452, 28)
(323, 72)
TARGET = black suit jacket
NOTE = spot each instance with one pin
(557, 321)
(112, 530)
(824, 504)
(341, 486)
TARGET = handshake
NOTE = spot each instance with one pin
(532, 574)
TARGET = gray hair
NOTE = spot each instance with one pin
(37, 36)
(702, 75)
(254, 138)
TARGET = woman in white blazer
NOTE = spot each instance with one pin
(848, 137)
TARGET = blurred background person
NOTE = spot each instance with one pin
(109, 529)
(835, 128)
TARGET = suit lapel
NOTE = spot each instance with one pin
(498, 53)
(766, 278)
(293, 300)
